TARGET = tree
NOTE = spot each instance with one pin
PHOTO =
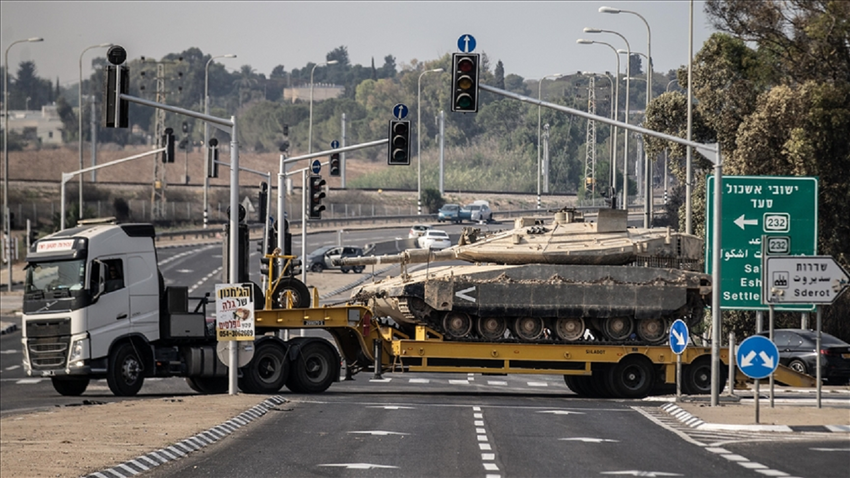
(499, 75)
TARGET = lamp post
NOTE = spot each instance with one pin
(626, 120)
(310, 134)
(80, 116)
(419, 138)
(7, 220)
(539, 165)
(647, 220)
(674, 80)
(207, 132)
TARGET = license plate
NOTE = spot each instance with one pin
(847, 356)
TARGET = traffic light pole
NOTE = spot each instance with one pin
(710, 151)
(67, 177)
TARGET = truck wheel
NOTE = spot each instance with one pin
(267, 371)
(208, 385)
(696, 377)
(632, 377)
(124, 375)
(312, 371)
(300, 294)
(70, 387)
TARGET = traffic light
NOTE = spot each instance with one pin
(399, 145)
(168, 143)
(334, 164)
(212, 159)
(465, 82)
(317, 193)
(116, 111)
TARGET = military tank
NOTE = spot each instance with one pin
(548, 279)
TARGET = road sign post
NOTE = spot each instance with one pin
(678, 339)
(757, 358)
(782, 209)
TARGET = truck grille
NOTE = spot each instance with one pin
(47, 342)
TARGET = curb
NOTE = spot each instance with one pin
(694, 422)
(194, 443)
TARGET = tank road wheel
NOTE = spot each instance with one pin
(208, 385)
(652, 331)
(618, 328)
(491, 328)
(300, 294)
(632, 377)
(70, 387)
(569, 329)
(529, 328)
(124, 375)
(312, 371)
(267, 371)
(457, 325)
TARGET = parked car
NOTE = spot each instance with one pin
(449, 213)
(477, 211)
(435, 239)
(417, 230)
(322, 258)
(797, 351)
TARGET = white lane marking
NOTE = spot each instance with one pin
(538, 384)
(640, 473)
(358, 466)
(772, 472)
(488, 456)
(482, 437)
(420, 380)
(590, 440)
(380, 380)
(377, 433)
(29, 380)
(497, 382)
(10, 351)
(830, 449)
(479, 423)
(484, 446)
(459, 382)
(480, 430)
(393, 407)
(751, 465)
(734, 457)
(490, 466)
(478, 415)
(13, 367)
(476, 409)
(717, 450)
(561, 412)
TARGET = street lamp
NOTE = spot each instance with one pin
(207, 130)
(80, 117)
(7, 220)
(628, 74)
(419, 138)
(310, 135)
(647, 220)
(539, 165)
(674, 80)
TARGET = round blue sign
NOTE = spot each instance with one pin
(757, 357)
(316, 166)
(466, 43)
(678, 337)
(334, 144)
(400, 111)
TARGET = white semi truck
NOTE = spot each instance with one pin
(95, 307)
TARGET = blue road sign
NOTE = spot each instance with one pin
(316, 166)
(334, 144)
(466, 43)
(757, 357)
(400, 111)
(678, 337)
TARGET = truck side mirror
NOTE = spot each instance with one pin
(98, 281)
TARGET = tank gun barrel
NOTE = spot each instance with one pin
(409, 256)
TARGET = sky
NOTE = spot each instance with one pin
(532, 39)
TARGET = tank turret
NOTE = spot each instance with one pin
(547, 279)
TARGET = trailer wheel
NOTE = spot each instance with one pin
(696, 377)
(267, 371)
(300, 294)
(632, 377)
(124, 375)
(312, 371)
(70, 387)
(208, 385)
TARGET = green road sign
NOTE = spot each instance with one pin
(756, 208)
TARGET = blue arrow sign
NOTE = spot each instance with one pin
(466, 43)
(757, 357)
(400, 111)
(334, 144)
(316, 166)
(678, 337)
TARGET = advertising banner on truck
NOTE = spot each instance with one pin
(234, 312)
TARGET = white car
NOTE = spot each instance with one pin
(435, 239)
(417, 231)
(478, 211)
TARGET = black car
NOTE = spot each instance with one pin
(322, 258)
(797, 351)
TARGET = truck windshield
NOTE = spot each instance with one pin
(55, 276)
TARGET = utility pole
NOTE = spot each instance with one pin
(590, 140)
